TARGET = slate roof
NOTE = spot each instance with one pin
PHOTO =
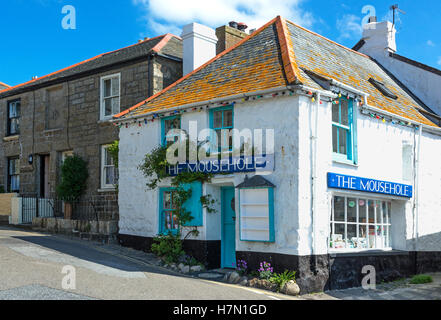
(255, 182)
(166, 44)
(277, 55)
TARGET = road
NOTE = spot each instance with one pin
(31, 266)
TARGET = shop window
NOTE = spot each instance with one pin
(360, 223)
(222, 122)
(110, 96)
(343, 131)
(108, 171)
(13, 122)
(13, 174)
(168, 207)
(169, 137)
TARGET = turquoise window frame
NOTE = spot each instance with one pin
(272, 237)
(162, 229)
(351, 136)
(193, 205)
(163, 133)
(223, 109)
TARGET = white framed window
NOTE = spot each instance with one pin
(360, 224)
(110, 95)
(108, 170)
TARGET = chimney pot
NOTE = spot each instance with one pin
(233, 24)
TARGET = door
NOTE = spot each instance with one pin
(228, 241)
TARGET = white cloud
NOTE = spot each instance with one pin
(430, 43)
(439, 61)
(164, 16)
(349, 27)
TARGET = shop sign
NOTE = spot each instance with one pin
(259, 164)
(341, 181)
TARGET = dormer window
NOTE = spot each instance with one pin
(383, 89)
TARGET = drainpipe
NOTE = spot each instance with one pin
(314, 134)
(416, 185)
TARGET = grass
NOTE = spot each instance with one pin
(421, 278)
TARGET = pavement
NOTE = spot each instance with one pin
(32, 263)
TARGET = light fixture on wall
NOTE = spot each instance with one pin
(31, 159)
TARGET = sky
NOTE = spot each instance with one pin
(39, 37)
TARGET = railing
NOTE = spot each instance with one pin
(97, 208)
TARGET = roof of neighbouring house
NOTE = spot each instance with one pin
(278, 54)
(3, 86)
(168, 45)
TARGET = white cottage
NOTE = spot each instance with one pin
(354, 176)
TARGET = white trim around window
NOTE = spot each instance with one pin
(108, 170)
(110, 95)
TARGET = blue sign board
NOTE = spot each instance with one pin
(263, 163)
(341, 181)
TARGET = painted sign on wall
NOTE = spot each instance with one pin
(262, 163)
(341, 181)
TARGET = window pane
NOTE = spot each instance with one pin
(115, 105)
(110, 175)
(335, 113)
(344, 112)
(352, 210)
(371, 206)
(168, 220)
(228, 118)
(115, 86)
(384, 210)
(14, 126)
(107, 87)
(362, 211)
(378, 211)
(339, 209)
(217, 119)
(174, 200)
(334, 139)
(108, 107)
(380, 237)
(362, 238)
(167, 200)
(389, 212)
(15, 183)
(108, 160)
(352, 236)
(371, 236)
(342, 141)
(339, 236)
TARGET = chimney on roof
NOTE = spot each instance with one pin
(199, 46)
(379, 37)
(230, 35)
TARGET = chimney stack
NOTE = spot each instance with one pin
(199, 46)
(378, 37)
(230, 35)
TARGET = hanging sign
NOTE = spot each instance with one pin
(341, 181)
(262, 163)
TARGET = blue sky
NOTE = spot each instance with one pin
(33, 42)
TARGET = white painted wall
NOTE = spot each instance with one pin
(380, 40)
(380, 155)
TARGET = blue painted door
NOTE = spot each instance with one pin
(228, 242)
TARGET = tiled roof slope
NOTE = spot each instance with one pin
(168, 43)
(3, 86)
(333, 61)
(255, 63)
(274, 56)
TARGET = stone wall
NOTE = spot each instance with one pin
(66, 117)
(5, 203)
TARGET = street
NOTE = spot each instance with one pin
(31, 266)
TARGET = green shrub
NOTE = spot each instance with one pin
(281, 278)
(74, 175)
(421, 278)
(169, 247)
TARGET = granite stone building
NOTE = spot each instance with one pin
(51, 117)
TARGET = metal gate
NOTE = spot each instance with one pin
(34, 207)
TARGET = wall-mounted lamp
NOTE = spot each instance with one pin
(31, 159)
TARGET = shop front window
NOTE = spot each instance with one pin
(169, 218)
(360, 223)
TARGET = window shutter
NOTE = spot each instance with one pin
(193, 204)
